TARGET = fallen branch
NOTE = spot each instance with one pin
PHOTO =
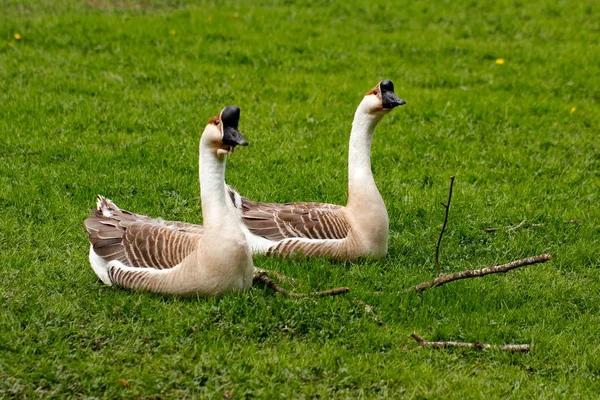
(277, 274)
(477, 345)
(517, 227)
(262, 277)
(437, 246)
(512, 228)
(475, 273)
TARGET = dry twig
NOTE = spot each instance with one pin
(513, 228)
(474, 273)
(437, 246)
(262, 277)
(517, 227)
(477, 345)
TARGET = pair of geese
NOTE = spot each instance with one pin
(168, 257)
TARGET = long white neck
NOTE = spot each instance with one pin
(215, 212)
(360, 176)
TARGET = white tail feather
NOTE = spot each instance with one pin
(106, 206)
(99, 266)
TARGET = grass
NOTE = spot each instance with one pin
(110, 97)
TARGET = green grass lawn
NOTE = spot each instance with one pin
(110, 97)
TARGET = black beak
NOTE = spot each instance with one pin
(389, 99)
(230, 116)
(233, 137)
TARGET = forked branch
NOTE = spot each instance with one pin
(439, 241)
(262, 277)
(477, 345)
(475, 273)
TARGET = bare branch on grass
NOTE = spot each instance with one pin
(477, 345)
(262, 277)
(276, 274)
(475, 273)
(510, 228)
(517, 227)
(513, 228)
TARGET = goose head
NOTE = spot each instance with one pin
(382, 98)
(221, 133)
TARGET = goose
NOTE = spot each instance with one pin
(314, 229)
(175, 258)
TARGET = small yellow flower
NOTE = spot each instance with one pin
(500, 61)
(172, 32)
(573, 109)
(17, 36)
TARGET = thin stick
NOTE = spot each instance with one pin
(477, 345)
(262, 277)
(437, 246)
(517, 227)
(512, 228)
(475, 273)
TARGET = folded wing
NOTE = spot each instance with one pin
(140, 241)
(295, 220)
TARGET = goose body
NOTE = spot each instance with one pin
(167, 257)
(315, 229)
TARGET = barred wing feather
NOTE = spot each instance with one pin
(295, 220)
(140, 241)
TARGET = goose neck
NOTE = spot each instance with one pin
(212, 187)
(361, 139)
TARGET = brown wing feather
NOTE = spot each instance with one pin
(185, 227)
(140, 241)
(105, 207)
(295, 220)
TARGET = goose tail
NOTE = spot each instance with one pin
(104, 207)
(104, 233)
